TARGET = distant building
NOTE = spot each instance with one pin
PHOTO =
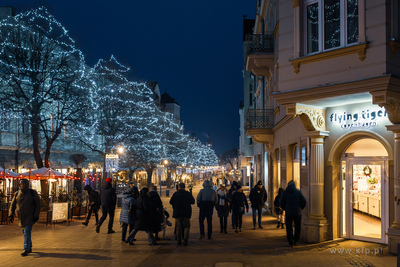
(209, 142)
(168, 104)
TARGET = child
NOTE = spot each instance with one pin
(278, 210)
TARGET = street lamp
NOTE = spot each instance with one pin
(165, 163)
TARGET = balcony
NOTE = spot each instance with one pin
(260, 43)
(259, 119)
(259, 124)
(260, 54)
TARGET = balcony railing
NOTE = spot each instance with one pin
(259, 119)
(260, 43)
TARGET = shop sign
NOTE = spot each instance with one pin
(360, 119)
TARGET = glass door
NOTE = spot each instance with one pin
(364, 188)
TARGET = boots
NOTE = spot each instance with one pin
(279, 224)
(85, 223)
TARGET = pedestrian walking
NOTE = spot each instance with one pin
(222, 207)
(230, 193)
(26, 203)
(158, 220)
(292, 202)
(239, 207)
(144, 218)
(215, 187)
(94, 204)
(206, 200)
(128, 211)
(182, 202)
(258, 196)
(108, 203)
(278, 209)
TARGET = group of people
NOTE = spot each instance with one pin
(143, 210)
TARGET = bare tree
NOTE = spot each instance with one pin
(42, 77)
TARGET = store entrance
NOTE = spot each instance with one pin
(363, 197)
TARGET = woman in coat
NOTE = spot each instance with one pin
(128, 210)
(223, 208)
(144, 215)
(239, 202)
(278, 210)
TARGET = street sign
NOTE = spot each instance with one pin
(112, 162)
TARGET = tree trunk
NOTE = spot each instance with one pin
(149, 171)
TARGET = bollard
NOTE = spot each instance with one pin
(167, 193)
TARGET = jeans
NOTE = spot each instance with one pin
(125, 228)
(27, 237)
(289, 228)
(182, 228)
(150, 235)
(96, 215)
(206, 214)
(254, 211)
(234, 219)
(238, 217)
(106, 211)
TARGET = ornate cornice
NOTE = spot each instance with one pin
(313, 119)
(390, 100)
(359, 49)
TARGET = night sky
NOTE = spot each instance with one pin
(192, 48)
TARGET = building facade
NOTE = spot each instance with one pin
(330, 74)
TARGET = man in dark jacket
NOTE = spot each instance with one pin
(27, 204)
(230, 193)
(206, 200)
(258, 196)
(182, 202)
(94, 204)
(108, 202)
(292, 202)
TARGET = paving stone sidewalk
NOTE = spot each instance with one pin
(78, 245)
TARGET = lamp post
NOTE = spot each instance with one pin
(165, 163)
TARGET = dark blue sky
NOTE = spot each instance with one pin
(192, 48)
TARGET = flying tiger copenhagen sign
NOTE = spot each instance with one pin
(364, 118)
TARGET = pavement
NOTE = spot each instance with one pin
(73, 244)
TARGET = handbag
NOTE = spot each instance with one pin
(241, 210)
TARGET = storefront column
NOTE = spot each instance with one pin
(394, 229)
(316, 225)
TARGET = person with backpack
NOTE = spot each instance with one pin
(94, 204)
(128, 212)
(27, 204)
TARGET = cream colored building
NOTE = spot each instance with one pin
(330, 73)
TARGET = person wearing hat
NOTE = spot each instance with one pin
(108, 203)
(239, 202)
(258, 196)
(292, 202)
(27, 204)
(94, 204)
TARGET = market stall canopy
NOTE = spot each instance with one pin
(8, 174)
(44, 173)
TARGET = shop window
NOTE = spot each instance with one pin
(303, 156)
(330, 24)
(296, 165)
